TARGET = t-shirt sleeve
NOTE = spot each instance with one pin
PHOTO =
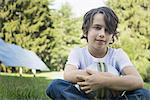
(122, 59)
(73, 58)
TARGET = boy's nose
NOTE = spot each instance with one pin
(101, 33)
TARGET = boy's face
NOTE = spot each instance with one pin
(98, 35)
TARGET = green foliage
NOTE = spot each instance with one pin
(28, 23)
(32, 25)
(135, 35)
(67, 35)
(23, 88)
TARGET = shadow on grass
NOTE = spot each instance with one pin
(23, 88)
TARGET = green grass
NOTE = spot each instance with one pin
(147, 85)
(13, 87)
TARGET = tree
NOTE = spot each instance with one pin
(28, 23)
(67, 35)
(135, 37)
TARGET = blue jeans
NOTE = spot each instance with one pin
(64, 90)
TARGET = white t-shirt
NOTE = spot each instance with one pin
(115, 60)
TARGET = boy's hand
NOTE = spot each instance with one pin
(94, 81)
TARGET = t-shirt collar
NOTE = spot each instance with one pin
(98, 59)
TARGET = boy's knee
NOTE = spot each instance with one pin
(144, 92)
(52, 86)
(56, 86)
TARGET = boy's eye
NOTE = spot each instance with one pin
(97, 28)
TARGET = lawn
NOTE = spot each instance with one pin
(13, 87)
(147, 85)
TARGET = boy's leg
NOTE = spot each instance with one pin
(139, 94)
(64, 90)
(54, 90)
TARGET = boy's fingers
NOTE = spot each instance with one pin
(88, 91)
(81, 77)
(82, 83)
(85, 88)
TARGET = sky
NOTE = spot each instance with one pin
(79, 7)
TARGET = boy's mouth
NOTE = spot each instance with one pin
(101, 41)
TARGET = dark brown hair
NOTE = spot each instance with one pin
(110, 18)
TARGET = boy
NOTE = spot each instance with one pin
(81, 82)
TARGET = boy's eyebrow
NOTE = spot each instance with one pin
(98, 25)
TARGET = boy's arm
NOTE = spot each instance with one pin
(71, 72)
(130, 81)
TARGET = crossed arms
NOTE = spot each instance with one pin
(90, 80)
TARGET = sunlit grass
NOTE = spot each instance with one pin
(147, 85)
(13, 87)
